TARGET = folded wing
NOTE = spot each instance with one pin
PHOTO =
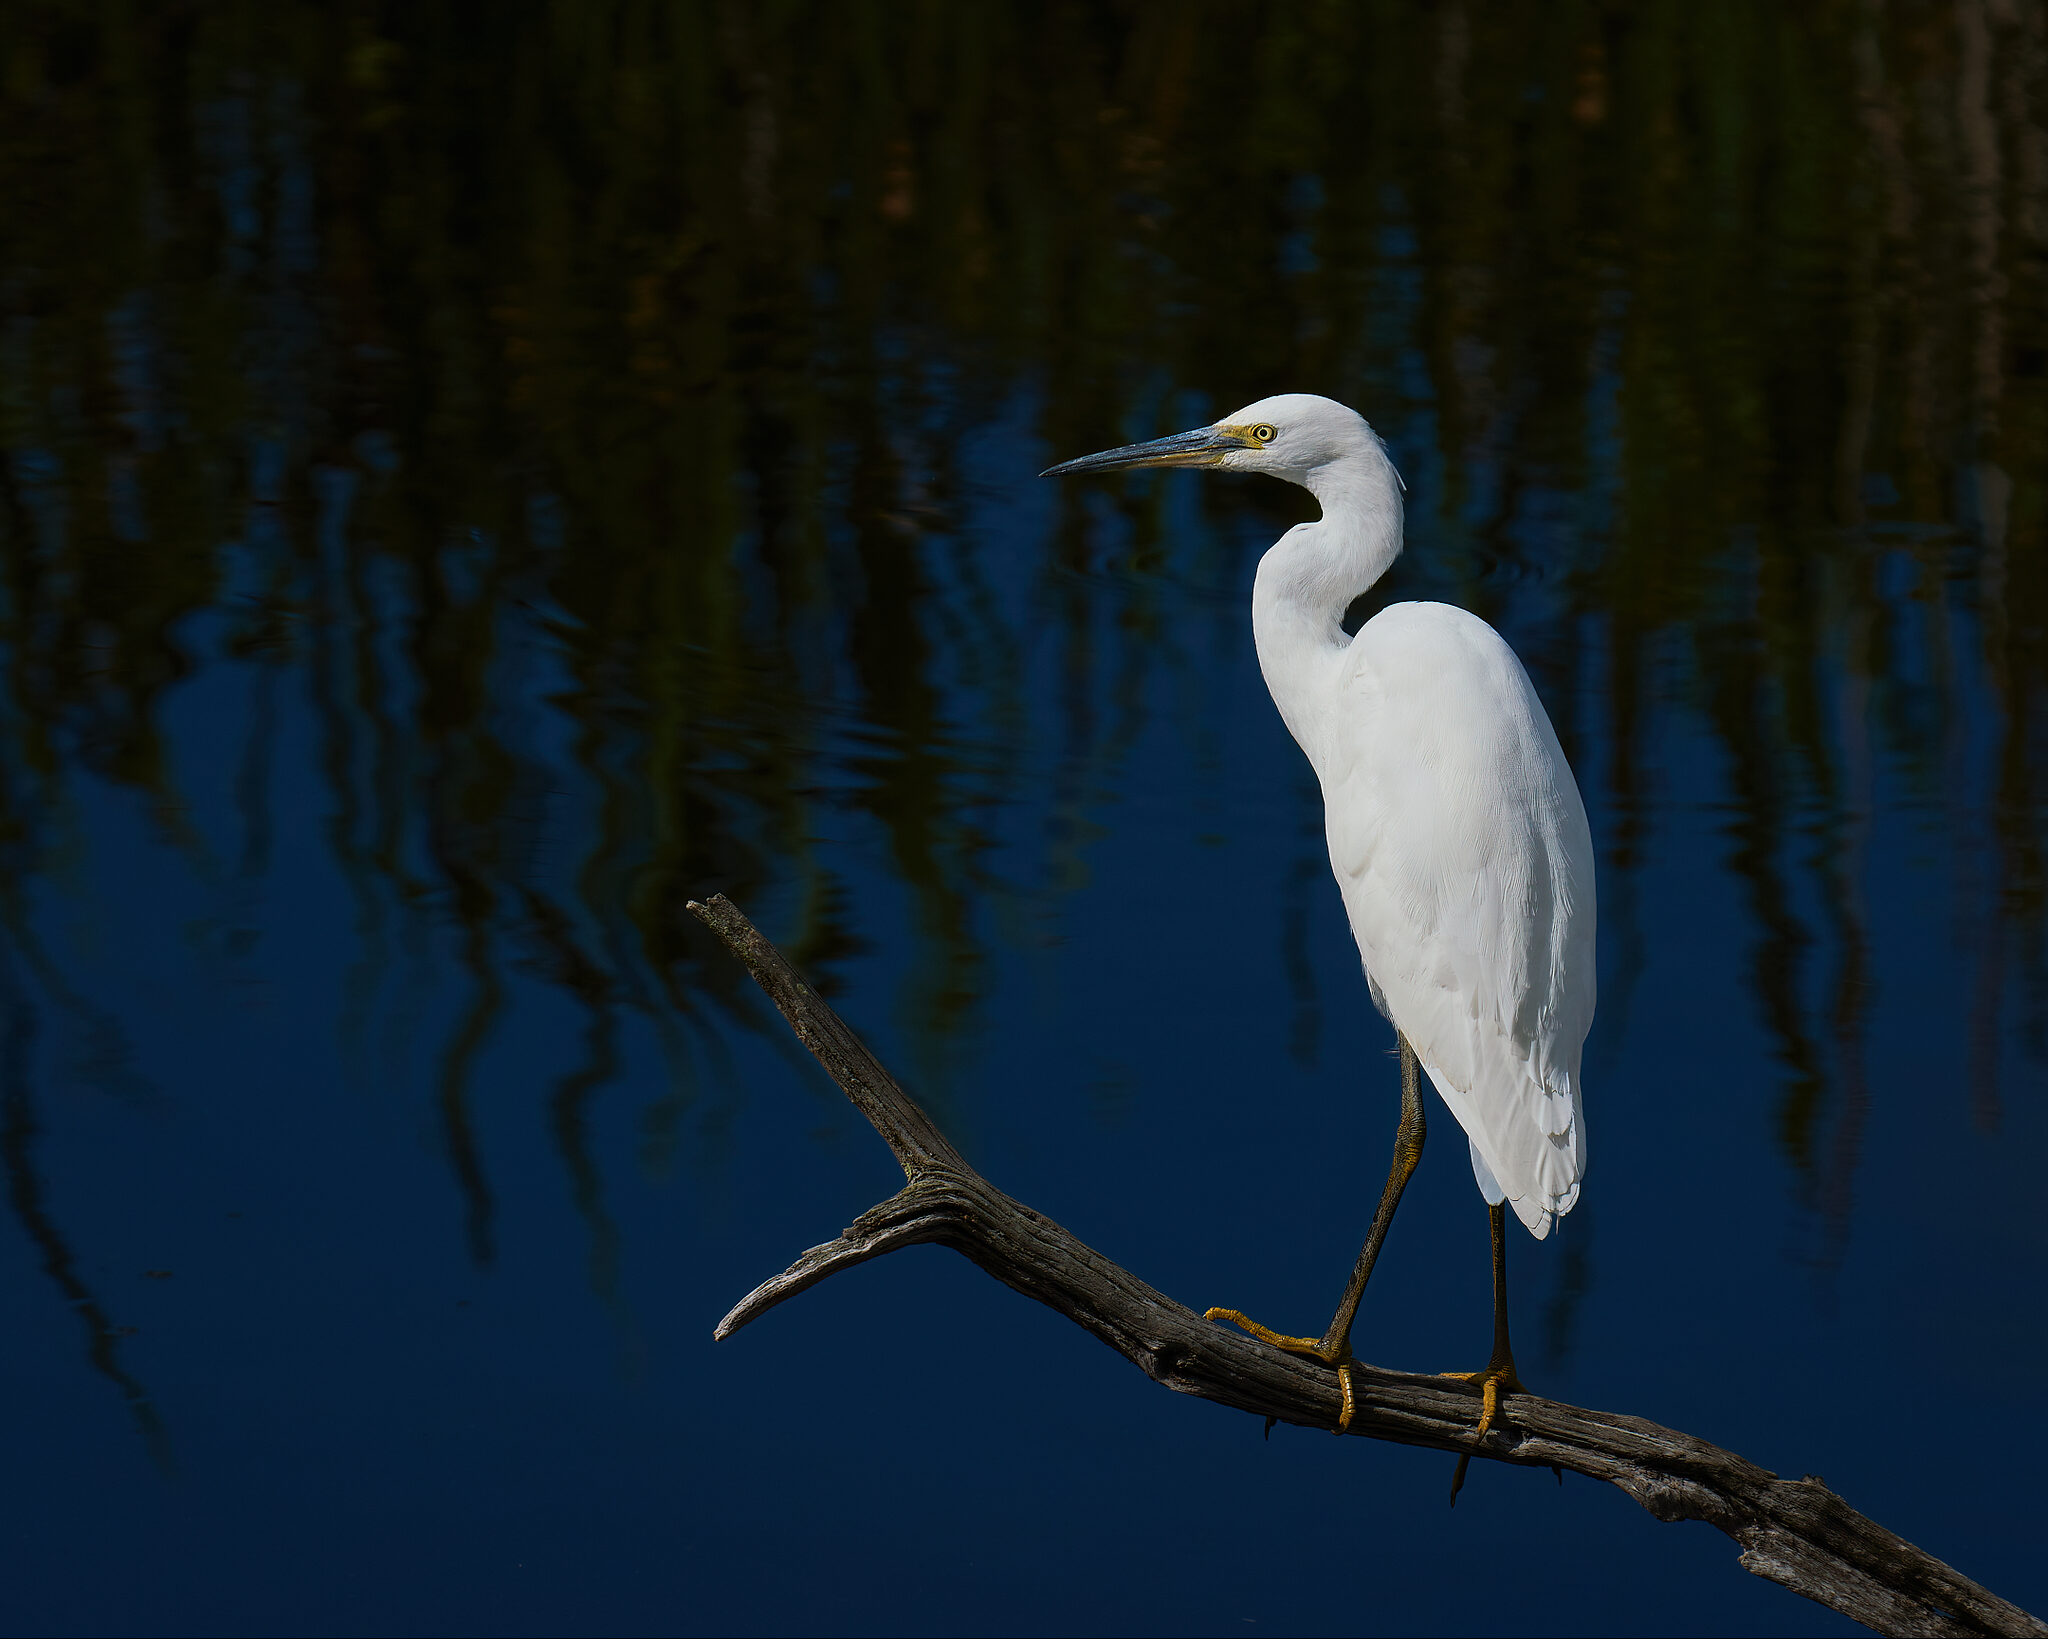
(1460, 842)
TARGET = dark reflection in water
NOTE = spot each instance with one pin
(569, 431)
(19, 1129)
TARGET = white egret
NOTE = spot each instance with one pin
(1456, 834)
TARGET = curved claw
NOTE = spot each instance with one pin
(1314, 1347)
(1493, 1383)
(1489, 1405)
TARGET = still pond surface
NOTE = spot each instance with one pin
(476, 478)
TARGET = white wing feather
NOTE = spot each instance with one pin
(1460, 842)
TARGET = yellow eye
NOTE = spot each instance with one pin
(1264, 434)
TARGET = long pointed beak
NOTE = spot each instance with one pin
(1203, 447)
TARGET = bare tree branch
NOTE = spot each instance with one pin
(1796, 1532)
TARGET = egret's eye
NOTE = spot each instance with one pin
(1264, 434)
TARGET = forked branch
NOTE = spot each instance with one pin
(1796, 1532)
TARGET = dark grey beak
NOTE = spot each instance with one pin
(1203, 447)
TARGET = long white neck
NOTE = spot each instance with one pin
(1308, 578)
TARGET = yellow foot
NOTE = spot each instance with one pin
(1495, 1381)
(1337, 1357)
(1499, 1378)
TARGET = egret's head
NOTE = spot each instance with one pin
(1290, 435)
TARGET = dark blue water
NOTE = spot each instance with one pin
(475, 483)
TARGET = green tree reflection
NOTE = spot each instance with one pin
(617, 362)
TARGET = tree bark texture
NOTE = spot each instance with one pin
(1796, 1532)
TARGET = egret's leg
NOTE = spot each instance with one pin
(1499, 1377)
(1334, 1346)
(1408, 1137)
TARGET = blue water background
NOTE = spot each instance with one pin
(370, 1211)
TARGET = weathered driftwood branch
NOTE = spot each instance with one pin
(1796, 1532)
